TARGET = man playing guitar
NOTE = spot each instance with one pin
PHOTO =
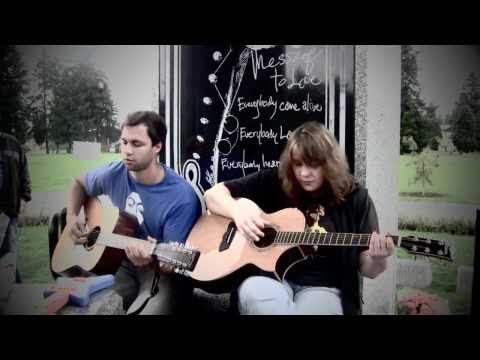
(164, 205)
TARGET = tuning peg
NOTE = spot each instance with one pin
(179, 271)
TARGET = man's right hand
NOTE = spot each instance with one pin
(77, 229)
(248, 219)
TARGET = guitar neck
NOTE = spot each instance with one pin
(120, 241)
(326, 239)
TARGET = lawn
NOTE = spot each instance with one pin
(55, 172)
(444, 273)
(456, 179)
(33, 255)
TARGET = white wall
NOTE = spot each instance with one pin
(381, 146)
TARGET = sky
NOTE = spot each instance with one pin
(131, 70)
(442, 72)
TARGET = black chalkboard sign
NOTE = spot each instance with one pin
(230, 109)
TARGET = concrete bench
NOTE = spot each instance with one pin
(25, 299)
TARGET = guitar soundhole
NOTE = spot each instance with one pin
(268, 239)
(92, 238)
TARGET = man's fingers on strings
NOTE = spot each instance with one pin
(151, 240)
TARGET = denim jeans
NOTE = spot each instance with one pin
(260, 295)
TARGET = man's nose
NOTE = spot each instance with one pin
(127, 148)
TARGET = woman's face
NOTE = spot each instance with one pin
(310, 177)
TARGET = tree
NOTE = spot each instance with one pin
(411, 104)
(47, 74)
(432, 131)
(82, 108)
(423, 164)
(417, 120)
(465, 120)
(13, 89)
(463, 128)
(409, 144)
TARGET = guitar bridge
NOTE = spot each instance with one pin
(228, 237)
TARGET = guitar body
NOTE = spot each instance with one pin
(99, 259)
(225, 261)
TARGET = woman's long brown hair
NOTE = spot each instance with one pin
(313, 144)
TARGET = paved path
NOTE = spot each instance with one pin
(47, 203)
(413, 209)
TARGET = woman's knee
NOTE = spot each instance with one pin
(258, 287)
(262, 295)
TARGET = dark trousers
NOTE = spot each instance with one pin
(149, 292)
(9, 240)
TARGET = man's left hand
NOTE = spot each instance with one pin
(141, 254)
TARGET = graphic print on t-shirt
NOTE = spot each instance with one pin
(313, 219)
(315, 216)
(134, 206)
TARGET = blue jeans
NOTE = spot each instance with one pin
(9, 239)
(260, 295)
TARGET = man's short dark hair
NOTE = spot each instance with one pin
(155, 123)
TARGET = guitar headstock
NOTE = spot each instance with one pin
(176, 257)
(427, 247)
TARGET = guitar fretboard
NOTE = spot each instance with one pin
(121, 241)
(326, 239)
(167, 253)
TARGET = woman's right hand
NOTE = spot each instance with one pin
(248, 219)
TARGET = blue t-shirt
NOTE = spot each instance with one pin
(165, 211)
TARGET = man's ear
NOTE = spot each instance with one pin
(158, 147)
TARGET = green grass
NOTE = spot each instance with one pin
(456, 178)
(55, 172)
(33, 262)
(444, 273)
